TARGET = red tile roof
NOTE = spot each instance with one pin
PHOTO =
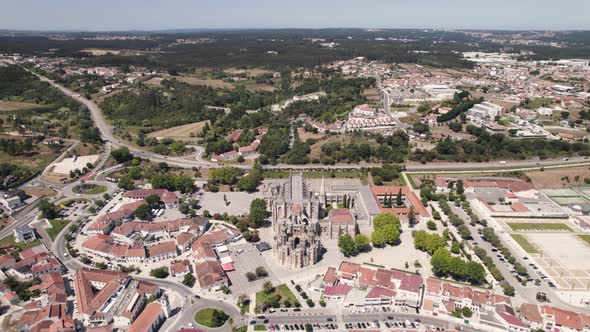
(338, 290)
(340, 216)
(147, 318)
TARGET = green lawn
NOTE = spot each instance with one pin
(520, 226)
(283, 291)
(259, 327)
(586, 238)
(526, 245)
(57, 226)
(21, 245)
(206, 317)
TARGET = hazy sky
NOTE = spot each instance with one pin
(180, 14)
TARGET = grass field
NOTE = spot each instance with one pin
(205, 317)
(522, 226)
(259, 87)
(586, 238)
(259, 327)
(252, 72)
(57, 226)
(526, 245)
(212, 83)
(21, 245)
(7, 106)
(93, 190)
(282, 290)
(183, 131)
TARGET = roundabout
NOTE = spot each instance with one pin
(211, 317)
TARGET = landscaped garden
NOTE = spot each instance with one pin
(211, 317)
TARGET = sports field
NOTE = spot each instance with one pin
(523, 226)
(524, 243)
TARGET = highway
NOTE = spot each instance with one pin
(106, 131)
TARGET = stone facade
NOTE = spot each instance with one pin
(295, 222)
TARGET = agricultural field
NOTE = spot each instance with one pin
(523, 226)
(7, 106)
(249, 72)
(179, 132)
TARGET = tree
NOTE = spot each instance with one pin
(455, 248)
(160, 272)
(431, 225)
(257, 211)
(362, 242)
(347, 245)
(48, 210)
(399, 200)
(189, 280)
(268, 288)
(218, 318)
(125, 183)
(459, 186)
(224, 175)
(121, 154)
(428, 242)
(378, 238)
(250, 276)
(466, 311)
(508, 290)
(142, 212)
(455, 126)
(153, 200)
(261, 272)
(385, 218)
(390, 233)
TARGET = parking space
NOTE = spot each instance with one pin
(246, 259)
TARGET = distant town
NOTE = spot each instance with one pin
(295, 181)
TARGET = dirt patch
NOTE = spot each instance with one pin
(249, 72)
(183, 131)
(444, 130)
(260, 87)
(304, 135)
(7, 106)
(39, 192)
(154, 81)
(552, 178)
(411, 118)
(216, 84)
(55, 178)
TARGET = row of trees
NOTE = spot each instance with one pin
(446, 265)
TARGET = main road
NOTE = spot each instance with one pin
(106, 131)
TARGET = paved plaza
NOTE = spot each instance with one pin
(235, 203)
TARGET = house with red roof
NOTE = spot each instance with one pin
(372, 285)
(411, 202)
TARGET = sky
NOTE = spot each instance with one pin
(119, 15)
